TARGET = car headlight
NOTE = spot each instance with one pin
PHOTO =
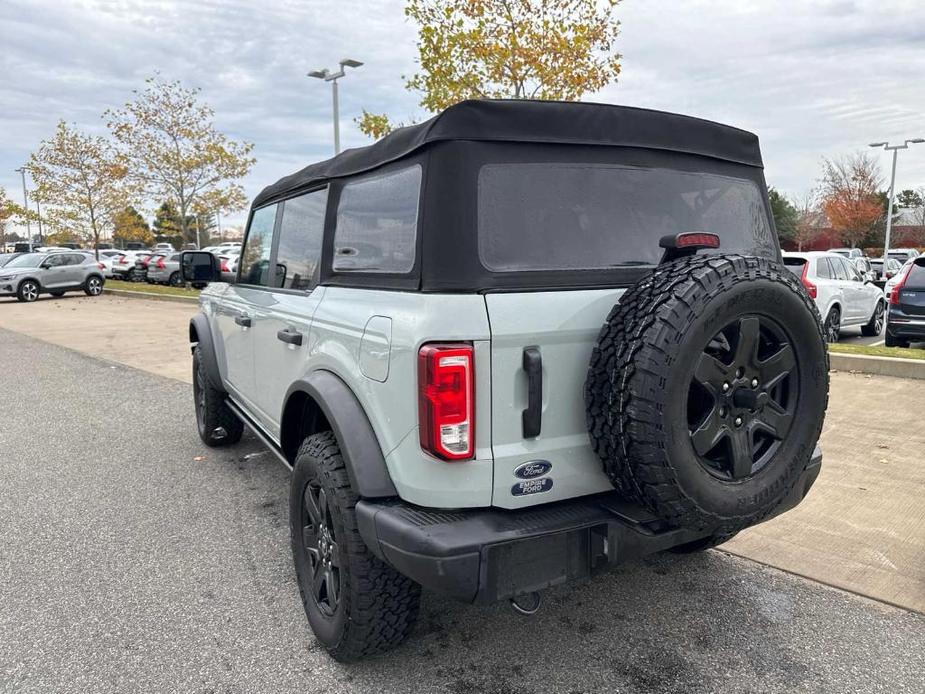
(3, 278)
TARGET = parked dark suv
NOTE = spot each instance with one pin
(905, 321)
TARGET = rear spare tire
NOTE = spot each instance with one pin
(707, 390)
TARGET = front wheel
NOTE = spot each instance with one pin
(875, 326)
(217, 424)
(356, 604)
(94, 286)
(28, 291)
(832, 326)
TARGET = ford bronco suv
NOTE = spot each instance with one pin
(508, 348)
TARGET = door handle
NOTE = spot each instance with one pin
(244, 321)
(290, 337)
(533, 415)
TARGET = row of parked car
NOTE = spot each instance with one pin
(161, 264)
(846, 295)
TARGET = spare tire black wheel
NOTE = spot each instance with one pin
(707, 390)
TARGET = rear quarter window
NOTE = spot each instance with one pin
(582, 216)
(377, 219)
(916, 276)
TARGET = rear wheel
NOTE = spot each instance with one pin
(175, 280)
(94, 286)
(356, 604)
(832, 326)
(875, 325)
(217, 424)
(28, 291)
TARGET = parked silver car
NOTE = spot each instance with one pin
(165, 269)
(31, 274)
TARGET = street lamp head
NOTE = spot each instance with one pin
(877, 144)
(917, 141)
(350, 62)
(319, 74)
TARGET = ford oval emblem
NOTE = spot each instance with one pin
(533, 468)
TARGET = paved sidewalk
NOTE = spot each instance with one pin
(148, 334)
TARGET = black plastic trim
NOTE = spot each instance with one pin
(532, 416)
(258, 432)
(201, 334)
(488, 554)
(366, 468)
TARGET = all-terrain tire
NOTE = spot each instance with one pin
(376, 607)
(639, 388)
(217, 424)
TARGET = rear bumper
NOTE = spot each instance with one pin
(485, 555)
(906, 327)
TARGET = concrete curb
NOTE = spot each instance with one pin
(881, 366)
(151, 295)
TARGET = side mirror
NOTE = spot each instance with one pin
(199, 267)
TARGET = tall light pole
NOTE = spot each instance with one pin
(889, 208)
(25, 202)
(332, 77)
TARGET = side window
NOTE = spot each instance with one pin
(823, 270)
(841, 269)
(300, 236)
(255, 255)
(377, 218)
(54, 261)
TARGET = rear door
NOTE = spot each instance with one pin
(912, 294)
(849, 299)
(553, 217)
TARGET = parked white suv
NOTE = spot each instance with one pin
(842, 294)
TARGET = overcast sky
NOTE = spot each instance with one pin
(812, 79)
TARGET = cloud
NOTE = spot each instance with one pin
(813, 79)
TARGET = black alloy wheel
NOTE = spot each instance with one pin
(320, 545)
(742, 397)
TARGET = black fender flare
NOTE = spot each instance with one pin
(369, 475)
(201, 334)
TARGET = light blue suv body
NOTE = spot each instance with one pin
(410, 329)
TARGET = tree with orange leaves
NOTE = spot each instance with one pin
(849, 195)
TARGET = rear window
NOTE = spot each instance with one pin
(377, 219)
(916, 277)
(551, 216)
(795, 265)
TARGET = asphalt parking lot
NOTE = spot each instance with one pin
(134, 559)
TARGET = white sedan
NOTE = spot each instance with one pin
(842, 295)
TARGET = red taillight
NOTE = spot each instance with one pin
(160, 264)
(122, 260)
(810, 287)
(894, 295)
(446, 400)
(225, 266)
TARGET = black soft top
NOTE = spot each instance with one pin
(553, 122)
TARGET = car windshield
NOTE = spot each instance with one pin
(841, 251)
(26, 260)
(899, 256)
